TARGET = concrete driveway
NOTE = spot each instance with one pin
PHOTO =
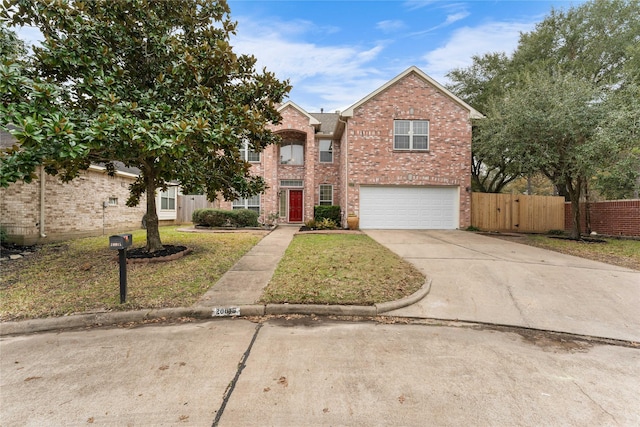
(483, 279)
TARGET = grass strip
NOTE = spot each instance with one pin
(340, 269)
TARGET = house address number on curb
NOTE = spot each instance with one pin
(226, 311)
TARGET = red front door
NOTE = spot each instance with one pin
(295, 205)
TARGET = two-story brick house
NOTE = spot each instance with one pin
(398, 158)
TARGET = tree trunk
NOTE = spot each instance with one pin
(587, 207)
(153, 232)
(574, 194)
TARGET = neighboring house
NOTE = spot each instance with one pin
(398, 158)
(92, 204)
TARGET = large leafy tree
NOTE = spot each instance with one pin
(549, 124)
(485, 80)
(561, 103)
(152, 84)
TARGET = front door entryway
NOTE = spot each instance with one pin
(295, 205)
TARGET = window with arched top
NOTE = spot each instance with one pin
(292, 153)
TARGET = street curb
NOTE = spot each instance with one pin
(78, 321)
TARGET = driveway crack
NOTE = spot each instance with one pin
(595, 403)
(232, 385)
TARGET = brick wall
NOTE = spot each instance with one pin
(71, 210)
(615, 218)
(372, 159)
(295, 127)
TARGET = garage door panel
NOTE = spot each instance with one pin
(408, 207)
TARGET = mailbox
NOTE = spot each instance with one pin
(120, 241)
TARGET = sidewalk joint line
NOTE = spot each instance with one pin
(229, 391)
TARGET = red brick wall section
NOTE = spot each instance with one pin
(372, 159)
(614, 218)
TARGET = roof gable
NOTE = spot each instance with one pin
(312, 120)
(473, 113)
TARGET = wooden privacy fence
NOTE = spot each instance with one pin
(189, 203)
(517, 212)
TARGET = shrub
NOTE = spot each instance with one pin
(224, 218)
(326, 224)
(311, 223)
(329, 212)
(246, 218)
(3, 235)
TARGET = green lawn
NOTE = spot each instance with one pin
(82, 275)
(340, 269)
(622, 252)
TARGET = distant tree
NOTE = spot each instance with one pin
(596, 43)
(621, 129)
(152, 84)
(485, 80)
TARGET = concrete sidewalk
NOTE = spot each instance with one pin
(244, 282)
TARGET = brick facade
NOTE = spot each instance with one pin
(613, 218)
(296, 126)
(74, 209)
(371, 156)
(363, 152)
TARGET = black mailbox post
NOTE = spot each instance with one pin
(121, 242)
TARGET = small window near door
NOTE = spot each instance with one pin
(326, 151)
(283, 204)
(168, 199)
(326, 195)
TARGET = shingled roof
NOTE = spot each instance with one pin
(328, 122)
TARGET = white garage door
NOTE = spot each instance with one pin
(408, 207)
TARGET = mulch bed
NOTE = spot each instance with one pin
(169, 253)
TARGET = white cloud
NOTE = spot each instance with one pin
(467, 41)
(416, 4)
(390, 26)
(328, 77)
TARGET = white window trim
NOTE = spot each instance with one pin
(167, 195)
(411, 134)
(243, 203)
(286, 144)
(320, 200)
(320, 151)
(245, 151)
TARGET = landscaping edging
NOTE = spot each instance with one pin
(78, 321)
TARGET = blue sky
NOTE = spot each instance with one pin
(336, 52)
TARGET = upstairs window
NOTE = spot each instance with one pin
(248, 154)
(292, 153)
(326, 151)
(410, 135)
